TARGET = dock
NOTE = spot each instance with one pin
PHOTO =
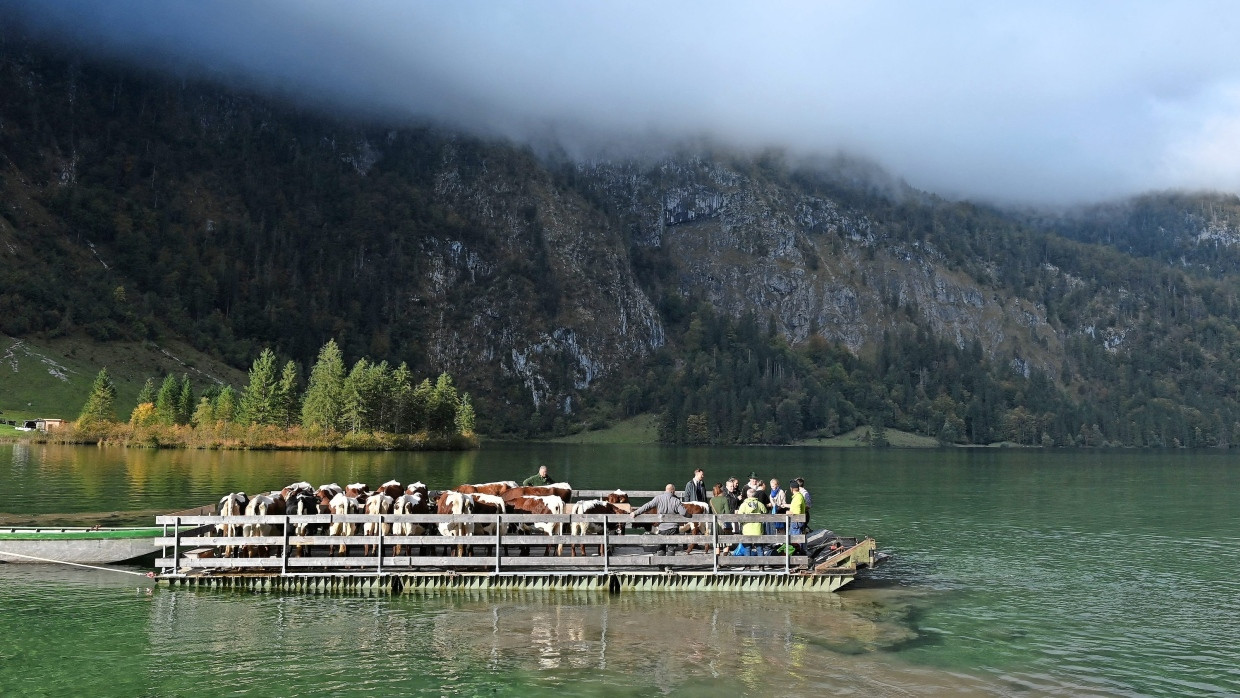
(618, 558)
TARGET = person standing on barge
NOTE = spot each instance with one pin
(666, 503)
(695, 489)
(752, 505)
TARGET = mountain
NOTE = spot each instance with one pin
(742, 297)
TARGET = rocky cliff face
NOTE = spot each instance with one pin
(752, 245)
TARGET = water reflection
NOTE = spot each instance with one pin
(513, 642)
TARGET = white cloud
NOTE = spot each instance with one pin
(1024, 101)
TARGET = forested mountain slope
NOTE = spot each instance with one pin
(744, 298)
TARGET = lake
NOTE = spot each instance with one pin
(1015, 572)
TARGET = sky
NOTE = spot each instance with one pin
(1019, 101)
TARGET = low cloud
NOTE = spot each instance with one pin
(1029, 102)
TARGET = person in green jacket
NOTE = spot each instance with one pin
(542, 479)
(751, 505)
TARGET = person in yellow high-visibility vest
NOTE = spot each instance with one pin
(796, 505)
(751, 505)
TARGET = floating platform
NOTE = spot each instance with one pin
(617, 556)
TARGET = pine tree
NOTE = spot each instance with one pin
(100, 404)
(465, 418)
(353, 397)
(287, 409)
(441, 411)
(321, 407)
(400, 397)
(185, 401)
(147, 394)
(258, 398)
(226, 405)
(204, 415)
(419, 406)
(166, 401)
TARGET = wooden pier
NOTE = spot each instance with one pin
(500, 559)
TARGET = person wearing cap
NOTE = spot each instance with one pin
(751, 505)
(542, 479)
(759, 488)
(666, 503)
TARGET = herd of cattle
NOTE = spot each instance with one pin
(300, 498)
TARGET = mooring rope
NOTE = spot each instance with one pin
(79, 564)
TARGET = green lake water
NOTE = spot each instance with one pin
(1015, 572)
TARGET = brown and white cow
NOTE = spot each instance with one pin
(563, 490)
(546, 505)
(493, 488)
(391, 488)
(413, 502)
(342, 504)
(232, 504)
(377, 505)
(696, 528)
(290, 490)
(584, 528)
(301, 503)
(359, 491)
(326, 493)
(455, 503)
(262, 505)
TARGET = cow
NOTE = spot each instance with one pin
(231, 505)
(303, 502)
(377, 505)
(584, 528)
(618, 497)
(342, 504)
(493, 488)
(696, 528)
(621, 498)
(262, 505)
(391, 488)
(359, 491)
(549, 504)
(326, 493)
(414, 502)
(455, 503)
(294, 488)
(563, 490)
(486, 504)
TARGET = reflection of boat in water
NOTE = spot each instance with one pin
(83, 545)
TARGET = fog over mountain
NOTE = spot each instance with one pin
(1020, 102)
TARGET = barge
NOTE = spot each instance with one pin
(619, 556)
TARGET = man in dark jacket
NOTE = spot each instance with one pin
(666, 503)
(695, 489)
(733, 492)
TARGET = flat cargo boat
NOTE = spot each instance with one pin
(78, 545)
(93, 545)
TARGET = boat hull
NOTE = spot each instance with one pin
(82, 546)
